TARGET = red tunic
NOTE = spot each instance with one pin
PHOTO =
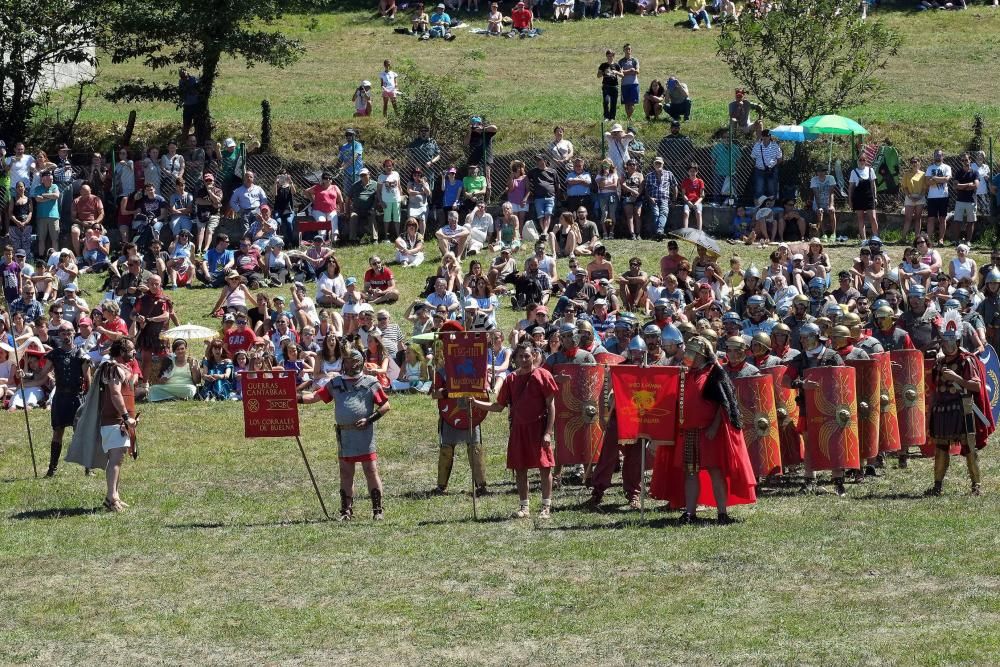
(527, 396)
(727, 451)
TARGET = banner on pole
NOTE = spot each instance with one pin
(646, 400)
(465, 363)
(269, 407)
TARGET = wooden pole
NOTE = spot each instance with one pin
(312, 477)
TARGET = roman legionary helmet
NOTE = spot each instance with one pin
(701, 346)
(671, 335)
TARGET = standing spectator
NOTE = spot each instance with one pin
(389, 89)
(327, 202)
(542, 180)
(578, 186)
(63, 176)
(609, 72)
(694, 195)
(680, 99)
(361, 205)
(861, 193)
(938, 175)
(418, 197)
(46, 196)
(350, 157)
(194, 162)
(284, 208)
(151, 172)
(479, 142)
(390, 191)
(821, 185)
(474, 188)
(982, 168)
(619, 143)
(914, 187)
(630, 81)
(20, 166)
(172, 166)
(181, 209)
(425, 152)
(246, 200)
(228, 156)
(208, 209)
(739, 114)
(190, 93)
(560, 151)
(766, 158)
(517, 191)
(966, 186)
(660, 188)
(631, 187)
(20, 212)
(607, 199)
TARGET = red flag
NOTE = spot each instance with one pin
(646, 400)
(465, 363)
(269, 407)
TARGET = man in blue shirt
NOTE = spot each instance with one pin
(46, 196)
(350, 158)
(247, 200)
(27, 304)
(441, 23)
(218, 261)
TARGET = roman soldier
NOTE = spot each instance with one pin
(732, 325)
(960, 420)
(799, 316)
(588, 341)
(631, 464)
(672, 344)
(758, 319)
(815, 354)
(781, 336)
(736, 365)
(760, 351)
(71, 372)
(662, 315)
(818, 298)
(710, 443)
(968, 336)
(450, 436)
(843, 343)
(888, 335)
(862, 339)
(688, 330)
(920, 321)
(359, 402)
(623, 333)
(654, 352)
(970, 316)
(989, 307)
(569, 349)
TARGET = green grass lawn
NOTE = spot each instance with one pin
(223, 557)
(528, 85)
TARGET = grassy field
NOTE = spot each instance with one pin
(528, 85)
(223, 558)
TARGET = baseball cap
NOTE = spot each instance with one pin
(230, 142)
(452, 171)
(70, 287)
(364, 171)
(603, 281)
(600, 302)
(351, 281)
(229, 318)
(84, 321)
(797, 257)
(542, 309)
(657, 159)
(20, 253)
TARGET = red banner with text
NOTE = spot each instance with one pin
(269, 407)
(646, 400)
(465, 363)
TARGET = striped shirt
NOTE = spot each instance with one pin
(766, 156)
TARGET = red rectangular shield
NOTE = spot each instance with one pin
(866, 375)
(579, 432)
(269, 406)
(831, 418)
(888, 431)
(908, 378)
(465, 363)
(787, 408)
(760, 423)
(646, 400)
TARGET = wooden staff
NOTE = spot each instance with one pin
(24, 400)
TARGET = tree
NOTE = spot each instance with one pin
(809, 57)
(37, 38)
(438, 101)
(195, 34)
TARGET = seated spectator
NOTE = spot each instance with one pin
(481, 229)
(380, 284)
(503, 266)
(276, 262)
(180, 267)
(377, 359)
(414, 373)
(295, 361)
(680, 99)
(88, 210)
(764, 225)
(327, 364)
(565, 236)
(522, 20)
(783, 295)
(219, 260)
(178, 376)
(494, 21)
(421, 22)
(34, 387)
(440, 24)
(653, 100)
(632, 286)
(96, 249)
(588, 8)
(443, 297)
(410, 245)
(698, 13)
(693, 190)
(790, 215)
(562, 10)
(530, 286)
(741, 228)
(509, 233)
(590, 233)
(453, 237)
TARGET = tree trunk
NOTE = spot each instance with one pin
(203, 116)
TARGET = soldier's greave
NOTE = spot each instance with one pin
(941, 460)
(972, 461)
(446, 457)
(55, 450)
(477, 457)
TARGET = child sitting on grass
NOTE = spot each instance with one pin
(740, 227)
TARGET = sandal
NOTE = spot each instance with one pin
(113, 505)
